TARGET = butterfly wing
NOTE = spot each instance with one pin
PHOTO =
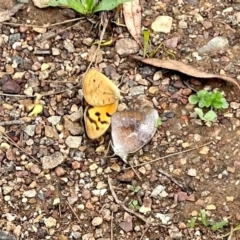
(132, 129)
(97, 119)
(98, 90)
(147, 128)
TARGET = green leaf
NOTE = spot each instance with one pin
(217, 96)
(202, 93)
(36, 110)
(153, 53)
(210, 116)
(208, 102)
(208, 99)
(201, 103)
(217, 104)
(205, 98)
(73, 4)
(192, 222)
(57, 3)
(135, 202)
(77, 6)
(107, 5)
(158, 123)
(146, 35)
(204, 219)
(136, 189)
(225, 104)
(222, 103)
(199, 113)
(89, 5)
(193, 99)
(219, 225)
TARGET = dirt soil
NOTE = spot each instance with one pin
(73, 198)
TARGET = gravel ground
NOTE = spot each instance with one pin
(56, 183)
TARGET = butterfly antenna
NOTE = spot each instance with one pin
(109, 144)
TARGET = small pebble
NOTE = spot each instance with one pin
(97, 221)
(192, 172)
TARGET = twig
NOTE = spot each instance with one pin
(122, 205)
(134, 171)
(36, 26)
(112, 226)
(13, 122)
(105, 23)
(67, 21)
(125, 161)
(15, 95)
(144, 232)
(55, 34)
(171, 155)
(59, 210)
(9, 140)
(50, 81)
(74, 212)
(33, 96)
(171, 178)
(80, 222)
(52, 92)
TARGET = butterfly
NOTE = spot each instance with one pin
(103, 97)
(132, 129)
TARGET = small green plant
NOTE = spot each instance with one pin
(204, 218)
(205, 222)
(192, 222)
(158, 122)
(148, 51)
(134, 204)
(87, 6)
(219, 225)
(134, 189)
(208, 99)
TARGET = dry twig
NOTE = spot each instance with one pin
(170, 155)
(55, 34)
(171, 178)
(36, 26)
(112, 226)
(122, 205)
(9, 140)
(105, 21)
(13, 122)
(73, 212)
(33, 96)
(145, 230)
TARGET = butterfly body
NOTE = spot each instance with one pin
(132, 129)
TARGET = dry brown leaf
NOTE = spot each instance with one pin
(132, 16)
(6, 15)
(183, 68)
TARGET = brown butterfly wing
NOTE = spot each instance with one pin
(98, 90)
(132, 129)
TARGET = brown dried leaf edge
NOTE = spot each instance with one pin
(183, 68)
(6, 15)
(132, 16)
